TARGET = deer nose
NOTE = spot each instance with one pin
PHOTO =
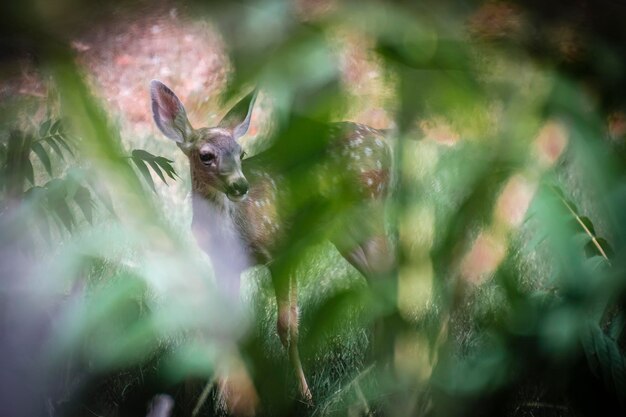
(240, 187)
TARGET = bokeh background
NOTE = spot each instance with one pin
(507, 122)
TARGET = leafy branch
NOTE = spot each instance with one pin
(77, 187)
(605, 359)
(585, 223)
(160, 165)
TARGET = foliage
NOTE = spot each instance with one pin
(508, 294)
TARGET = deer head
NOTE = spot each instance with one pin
(214, 153)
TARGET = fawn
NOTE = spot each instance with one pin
(236, 202)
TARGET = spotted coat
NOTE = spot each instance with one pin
(357, 163)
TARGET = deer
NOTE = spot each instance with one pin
(236, 202)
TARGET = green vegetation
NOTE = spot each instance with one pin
(507, 217)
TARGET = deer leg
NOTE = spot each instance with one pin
(374, 259)
(237, 394)
(294, 354)
(287, 327)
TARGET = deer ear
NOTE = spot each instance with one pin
(169, 113)
(238, 117)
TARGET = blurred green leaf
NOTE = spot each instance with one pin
(455, 65)
(606, 360)
(43, 157)
(60, 139)
(617, 326)
(56, 126)
(55, 147)
(588, 224)
(606, 247)
(83, 199)
(145, 172)
(190, 360)
(166, 165)
(44, 128)
(28, 171)
(156, 163)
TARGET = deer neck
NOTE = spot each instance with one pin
(209, 195)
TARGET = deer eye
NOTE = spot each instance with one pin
(243, 155)
(207, 158)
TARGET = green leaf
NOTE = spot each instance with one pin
(28, 171)
(63, 143)
(588, 224)
(166, 164)
(189, 359)
(57, 194)
(140, 153)
(143, 168)
(157, 163)
(44, 128)
(72, 182)
(56, 126)
(162, 160)
(55, 147)
(83, 199)
(62, 210)
(608, 249)
(155, 168)
(605, 360)
(43, 156)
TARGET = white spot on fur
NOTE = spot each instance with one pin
(368, 151)
(379, 143)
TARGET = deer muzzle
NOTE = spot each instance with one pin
(237, 190)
